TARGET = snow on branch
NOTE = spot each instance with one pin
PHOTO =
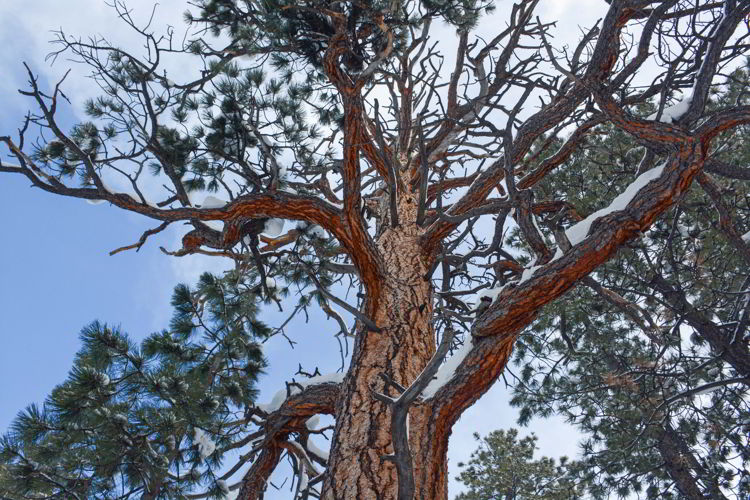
(297, 387)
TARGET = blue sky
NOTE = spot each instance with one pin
(57, 275)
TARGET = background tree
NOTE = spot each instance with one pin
(503, 468)
(648, 357)
(403, 183)
(153, 421)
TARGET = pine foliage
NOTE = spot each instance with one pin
(131, 418)
(648, 378)
(503, 467)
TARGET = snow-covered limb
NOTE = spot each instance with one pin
(284, 415)
(295, 388)
(312, 448)
(580, 230)
(672, 113)
(301, 453)
(446, 370)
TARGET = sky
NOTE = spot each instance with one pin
(57, 275)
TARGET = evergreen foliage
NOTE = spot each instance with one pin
(649, 378)
(503, 467)
(444, 212)
(133, 418)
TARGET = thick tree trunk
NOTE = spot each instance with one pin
(399, 352)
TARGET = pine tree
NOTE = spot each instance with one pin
(502, 467)
(148, 421)
(402, 175)
(648, 357)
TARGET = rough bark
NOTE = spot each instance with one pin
(362, 437)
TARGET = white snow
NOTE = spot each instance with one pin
(706, 391)
(273, 227)
(303, 478)
(492, 293)
(270, 283)
(447, 369)
(95, 202)
(746, 237)
(206, 446)
(312, 422)
(528, 273)
(216, 225)
(579, 231)
(312, 448)
(280, 396)
(214, 202)
(317, 232)
(673, 113)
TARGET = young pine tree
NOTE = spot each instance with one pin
(154, 420)
(503, 467)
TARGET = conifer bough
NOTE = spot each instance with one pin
(404, 153)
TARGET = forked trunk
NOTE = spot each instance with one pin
(399, 352)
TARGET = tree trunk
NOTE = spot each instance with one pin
(679, 461)
(399, 352)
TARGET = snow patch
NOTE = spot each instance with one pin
(303, 479)
(216, 225)
(270, 283)
(317, 232)
(281, 395)
(706, 391)
(316, 451)
(673, 113)
(273, 227)
(447, 369)
(492, 293)
(579, 231)
(312, 422)
(746, 237)
(206, 445)
(213, 202)
(528, 273)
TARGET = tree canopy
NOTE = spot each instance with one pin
(502, 467)
(452, 181)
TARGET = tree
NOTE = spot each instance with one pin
(648, 356)
(129, 420)
(396, 200)
(503, 468)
